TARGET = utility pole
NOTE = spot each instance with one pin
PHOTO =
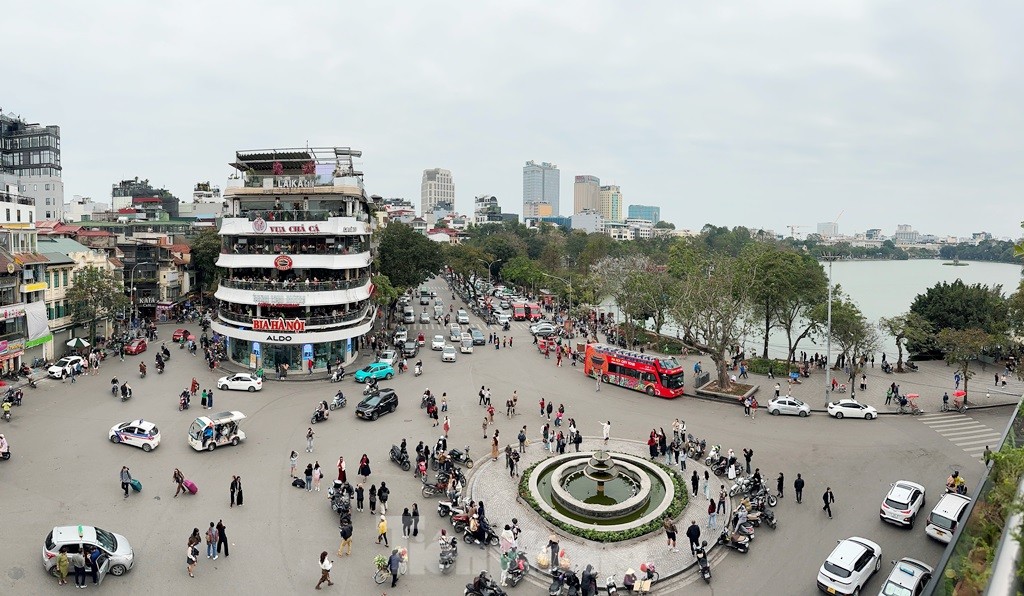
(828, 337)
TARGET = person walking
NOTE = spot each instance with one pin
(294, 459)
(345, 529)
(309, 439)
(415, 520)
(382, 530)
(693, 533)
(694, 482)
(606, 430)
(373, 499)
(707, 485)
(670, 533)
(406, 523)
(364, 467)
(234, 487)
(542, 403)
(222, 537)
(446, 426)
(191, 556)
(550, 408)
(780, 483)
(828, 498)
(342, 474)
(395, 560)
(211, 541)
(712, 514)
(553, 550)
(798, 487)
(317, 475)
(126, 480)
(382, 494)
(179, 480)
(484, 426)
(325, 570)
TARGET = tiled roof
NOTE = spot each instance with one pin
(30, 258)
(116, 262)
(182, 248)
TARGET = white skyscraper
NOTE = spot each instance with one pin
(437, 187)
(540, 185)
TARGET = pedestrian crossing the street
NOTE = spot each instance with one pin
(963, 431)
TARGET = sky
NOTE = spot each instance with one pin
(763, 114)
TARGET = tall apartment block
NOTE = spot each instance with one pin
(610, 203)
(648, 212)
(30, 160)
(540, 187)
(586, 193)
(437, 187)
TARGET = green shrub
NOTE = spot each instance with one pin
(679, 501)
(780, 368)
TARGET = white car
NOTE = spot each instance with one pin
(851, 408)
(240, 382)
(62, 367)
(424, 317)
(437, 343)
(503, 318)
(788, 405)
(462, 317)
(542, 329)
(448, 354)
(389, 357)
(902, 503)
(137, 433)
(908, 578)
(852, 562)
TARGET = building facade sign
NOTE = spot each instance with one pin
(11, 312)
(294, 325)
(260, 225)
(295, 299)
(11, 349)
(283, 263)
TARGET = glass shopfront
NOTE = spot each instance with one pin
(269, 356)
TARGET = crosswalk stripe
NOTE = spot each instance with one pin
(974, 431)
(966, 440)
(989, 441)
(951, 423)
(975, 448)
(958, 427)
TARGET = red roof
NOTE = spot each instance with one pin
(116, 262)
(182, 248)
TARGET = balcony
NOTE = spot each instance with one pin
(292, 184)
(297, 261)
(335, 225)
(318, 322)
(271, 246)
(313, 286)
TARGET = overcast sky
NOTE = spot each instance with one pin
(762, 114)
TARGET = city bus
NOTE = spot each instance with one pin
(519, 312)
(656, 376)
(533, 311)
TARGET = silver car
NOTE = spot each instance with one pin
(908, 577)
(789, 406)
(115, 547)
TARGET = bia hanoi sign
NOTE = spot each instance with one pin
(293, 326)
(283, 263)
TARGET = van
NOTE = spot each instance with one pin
(946, 516)
(463, 317)
(408, 315)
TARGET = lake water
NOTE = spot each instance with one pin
(887, 288)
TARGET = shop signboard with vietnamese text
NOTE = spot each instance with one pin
(293, 325)
(11, 348)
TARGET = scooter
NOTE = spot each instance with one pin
(609, 585)
(166, 353)
(483, 585)
(339, 401)
(183, 404)
(32, 383)
(338, 375)
(5, 455)
(734, 541)
(446, 508)
(370, 389)
(449, 552)
(318, 416)
(126, 395)
(712, 455)
(702, 561)
(460, 457)
(160, 369)
(418, 370)
(746, 528)
(400, 457)
(565, 583)
(518, 567)
(7, 414)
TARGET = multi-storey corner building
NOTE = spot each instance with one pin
(30, 160)
(436, 187)
(295, 258)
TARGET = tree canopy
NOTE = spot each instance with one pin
(205, 249)
(959, 306)
(95, 296)
(406, 257)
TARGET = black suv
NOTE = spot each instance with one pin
(410, 348)
(376, 404)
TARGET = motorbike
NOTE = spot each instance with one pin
(460, 457)
(712, 455)
(483, 585)
(318, 416)
(518, 567)
(721, 466)
(744, 529)
(339, 401)
(449, 552)
(159, 369)
(460, 521)
(338, 375)
(166, 353)
(418, 371)
(425, 399)
(490, 537)
(764, 493)
(32, 383)
(743, 484)
(126, 395)
(702, 561)
(734, 541)
(13, 397)
(446, 507)
(370, 389)
(183, 403)
(564, 583)
(400, 457)
(431, 489)
(7, 414)
(609, 585)
(6, 454)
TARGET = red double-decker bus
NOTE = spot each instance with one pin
(654, 375)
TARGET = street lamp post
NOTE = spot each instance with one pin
(566, 282)
(828, 335)
(489, 264)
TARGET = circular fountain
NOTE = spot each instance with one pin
(601, 490)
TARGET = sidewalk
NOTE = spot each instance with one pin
(491, 483)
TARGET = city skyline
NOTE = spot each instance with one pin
(715, 118)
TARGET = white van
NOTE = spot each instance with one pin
(947, 514)
(408, 315)
(462, 317)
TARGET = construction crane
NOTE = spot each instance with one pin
(793, 228)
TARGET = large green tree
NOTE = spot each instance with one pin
(908, 326)
(851, 331)
(961, 347)
(797, 309)
(959, 306)
(205, 249)
(407, 257)
(95, 296)
(779, 282)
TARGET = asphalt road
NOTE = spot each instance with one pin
(65, 471)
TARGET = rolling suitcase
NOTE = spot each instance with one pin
(191, 486)
(136, 485)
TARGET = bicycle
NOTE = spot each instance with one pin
(383, 572)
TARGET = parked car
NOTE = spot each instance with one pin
(137, 433)
(478, 336)
(907, 578)
(64, 366)
(377, 404)
(240, 382)
(178, 334)
(377, 370)
(437, 343)
(851, 408)
(902, 503)
(448, 354)
(115, 547)
(852, 562)
(788, 405)
(136, 346)
(946, 516)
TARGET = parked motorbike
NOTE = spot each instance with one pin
(400, 457)
(764, 493)
(446, 560)
(446, 508)
(746, 528)
(460, 521)
(743, 484)
(702, 561)
(432, 489)
(339, 401)
(734, 541)
(712, 455)
(461, 458)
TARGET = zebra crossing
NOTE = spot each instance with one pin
(963, 431)
(443, 329)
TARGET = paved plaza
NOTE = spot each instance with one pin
(64, 471)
